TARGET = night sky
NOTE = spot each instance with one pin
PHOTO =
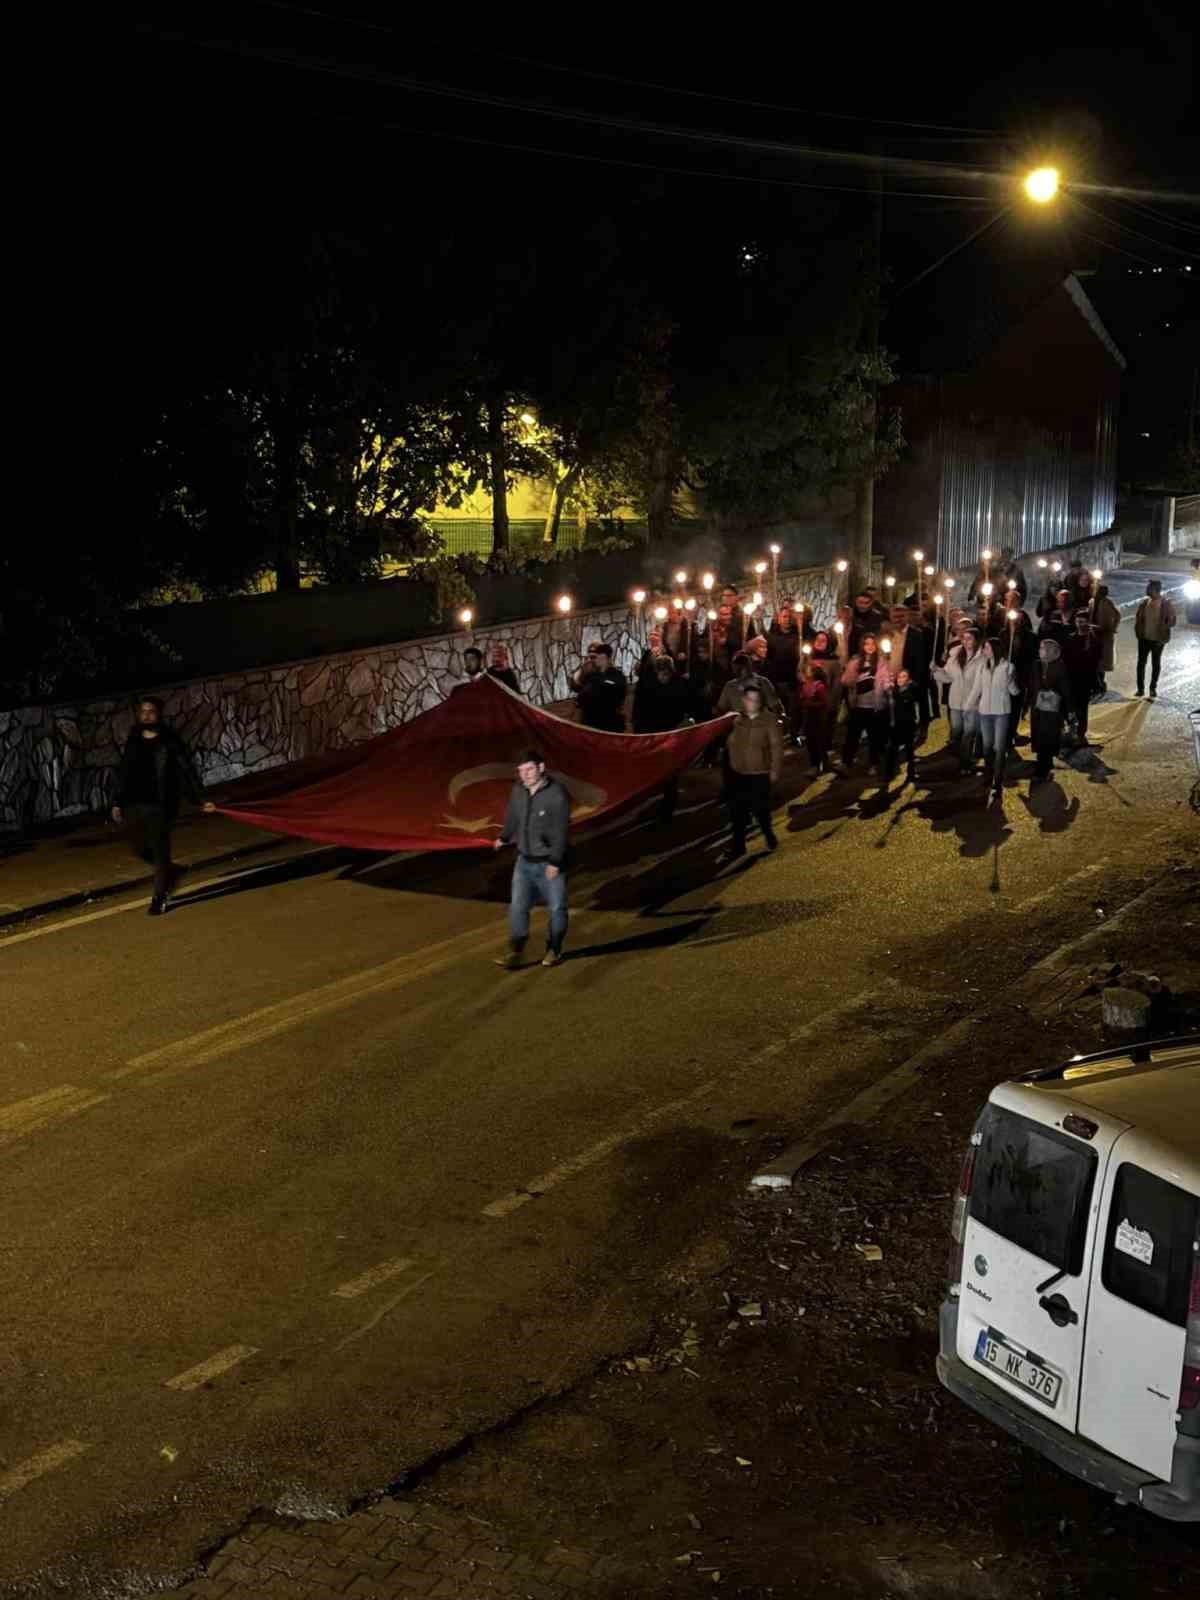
(209, 117)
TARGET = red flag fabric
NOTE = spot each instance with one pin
(442, 781)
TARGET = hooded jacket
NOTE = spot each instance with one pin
(960, 672)
(756, 746)
(537, 823)
(992, 688)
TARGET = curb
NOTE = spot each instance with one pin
(83, 897)
(783, 1171)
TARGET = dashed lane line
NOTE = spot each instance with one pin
(370, 1279)
(26, 1116)
(231, 1356)
(196, 1048)
(144, 900)
(820, 1028)
(25, 1472)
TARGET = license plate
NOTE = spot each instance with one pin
(1016, 1368)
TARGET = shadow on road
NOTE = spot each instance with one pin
(250, 878)
(1049, 806)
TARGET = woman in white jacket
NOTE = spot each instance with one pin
(990, 697)
(961, 670)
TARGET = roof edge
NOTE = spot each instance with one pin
(1092, 317)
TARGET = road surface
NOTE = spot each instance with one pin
(301, 1190)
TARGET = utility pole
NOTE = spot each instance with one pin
(862, 526)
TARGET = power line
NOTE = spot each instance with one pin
(640, 83)
(683, 172)
(954, 249)
(901, 166)
(1160, 244)
(1119, 249)
(1159, 216)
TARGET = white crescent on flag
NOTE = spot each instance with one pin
(585, 797)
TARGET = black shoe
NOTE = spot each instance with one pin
(1154, 694)
(157, 906)
(771, 842)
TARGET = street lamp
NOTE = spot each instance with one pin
(1042, 185)
(564, 604)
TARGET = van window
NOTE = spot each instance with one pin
(1033, 1186)
(1148, 1250)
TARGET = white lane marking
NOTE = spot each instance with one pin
(212, 1368)
(39, 1110)
(137, 905)
(370, 1279)
(37, 1466)
(390, 1305)
(210, 1043)
(818, 1028)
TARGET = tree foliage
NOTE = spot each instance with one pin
(297, 395)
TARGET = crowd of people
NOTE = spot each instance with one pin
(878, 675)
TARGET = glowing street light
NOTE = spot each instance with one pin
(681, 576)
(639, 597)
(843, 566)
(1042, 184)
(466, 616)
(775, 549)
(528, 418)
(889, 582)
(564, 604)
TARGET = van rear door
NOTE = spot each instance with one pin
(1028, 1243)
(1138, 1305)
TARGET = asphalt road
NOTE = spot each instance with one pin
(300, 1190)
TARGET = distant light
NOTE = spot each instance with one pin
(712, 615)
(890, 582)
(681, 576)
(707, 580)
(466, 616)
(760, 567)
(987, 555)
(528, 418)
(756, 597)
(777, 549)
(1042, 184)
(564, 603)
(660, 613)
(929, 571)
(987, 589)
(918, 555)
(689, 604)
(842, 565)
(677, 603)
(639, 597)
(1145, 436)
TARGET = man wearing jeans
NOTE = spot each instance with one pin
(1152, 624)
(537, 820)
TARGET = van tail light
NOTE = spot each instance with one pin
(1189, 1383)
(958, 1218)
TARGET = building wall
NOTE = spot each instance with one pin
(60, 760)
(1020, 450)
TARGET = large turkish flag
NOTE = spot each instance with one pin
(442, 781)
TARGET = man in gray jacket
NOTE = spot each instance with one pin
(537, 821)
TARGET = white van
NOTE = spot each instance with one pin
(1073, 1313)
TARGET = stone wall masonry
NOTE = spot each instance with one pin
(59, 761)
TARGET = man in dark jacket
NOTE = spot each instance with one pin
(537, 821)
(755, 762)
(155, 772)
(1081, 657)
(600, 690)
(663, 701)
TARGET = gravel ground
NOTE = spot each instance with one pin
(782, 1431)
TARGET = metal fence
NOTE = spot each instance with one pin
(1023, 487)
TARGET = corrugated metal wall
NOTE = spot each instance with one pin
(1010, 483)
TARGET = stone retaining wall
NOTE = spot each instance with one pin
(59, 761)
